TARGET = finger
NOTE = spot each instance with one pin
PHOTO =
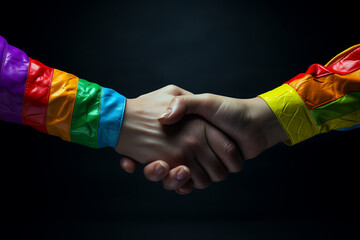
(156, 171)
(211, 163)
(186, 188)
(227, 151)
(199, 176)
(177, 177)
(129, 165)
(204, 105)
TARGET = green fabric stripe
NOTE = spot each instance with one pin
(337, 108)
(86, 114)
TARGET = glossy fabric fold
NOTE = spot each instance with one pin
(56, 102)
(330, 97)
(86, 114)
(36, 95)
(318, 91)
(111, 117)
(337, 108)
(13, 74)
(291, 112)
(61, 104)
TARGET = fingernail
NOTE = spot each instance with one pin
(166, 114)
(160, 168)
(182, 174)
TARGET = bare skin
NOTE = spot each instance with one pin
(249, 122)
(191, 143)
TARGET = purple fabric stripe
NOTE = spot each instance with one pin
(13, 74)
(2, 48)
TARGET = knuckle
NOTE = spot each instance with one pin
(192, 141)
(230, 150)
(233, 154)
(172, 88)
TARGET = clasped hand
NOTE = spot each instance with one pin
(213, 139)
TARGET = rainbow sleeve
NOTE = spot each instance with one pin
(322, 99)
(56, 102)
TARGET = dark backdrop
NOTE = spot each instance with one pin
(58, 190)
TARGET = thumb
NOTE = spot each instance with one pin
(202, 104)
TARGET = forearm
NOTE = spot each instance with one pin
(322, 99)
(56, 102)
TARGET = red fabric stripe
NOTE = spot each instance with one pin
(349, 63)
(36, 96)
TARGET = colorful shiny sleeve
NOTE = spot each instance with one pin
(322, 99)
(56, 102)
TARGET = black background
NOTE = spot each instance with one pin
(58, 190)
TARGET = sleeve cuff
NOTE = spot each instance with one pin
(111, 117)
(292, 113)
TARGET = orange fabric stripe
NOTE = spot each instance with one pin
(61, 104)
(319, 91)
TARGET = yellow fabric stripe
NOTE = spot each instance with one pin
(292, 113)
(341, 55)
(61, 104)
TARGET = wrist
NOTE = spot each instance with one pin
(125, 132)
(140, 128)
(264, 118)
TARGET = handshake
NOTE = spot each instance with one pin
(189, 141)
(185, 140)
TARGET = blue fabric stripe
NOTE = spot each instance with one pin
(349, 128)
(111, 117)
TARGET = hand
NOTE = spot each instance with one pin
(192, 142)
(249, 122)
